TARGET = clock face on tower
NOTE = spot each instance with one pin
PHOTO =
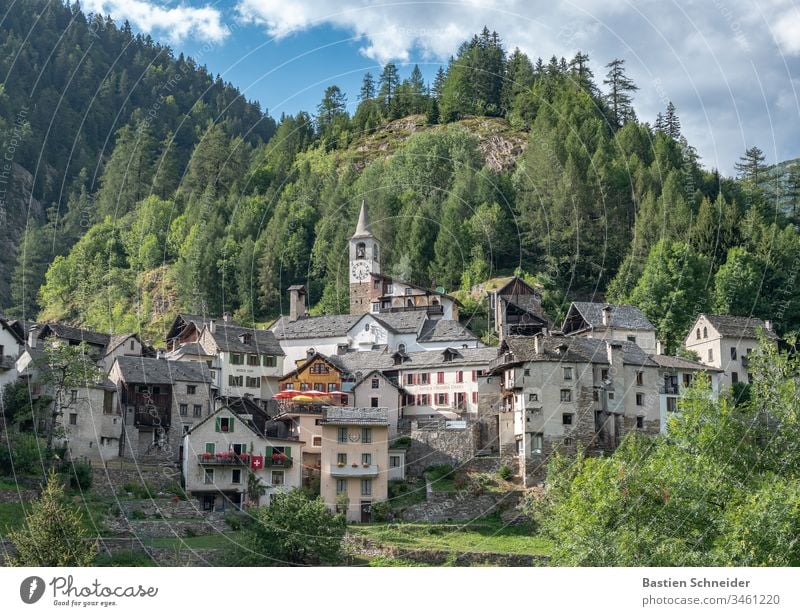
(360, 271)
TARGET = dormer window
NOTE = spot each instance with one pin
(245, 338)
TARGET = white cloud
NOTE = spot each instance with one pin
(176, 23)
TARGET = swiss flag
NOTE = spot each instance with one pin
(257, 462)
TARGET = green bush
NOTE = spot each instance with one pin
(176, 489)
(439, 471)
(80, 476)
(138, 514)
(235, 520)
(190, 532)
(381, 512)
(137, 490)
(126, 558)
(401, 441)
(505, 473)
(21, 454)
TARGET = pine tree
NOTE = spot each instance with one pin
(672, 125)
(792, 189)
(367, 88)
(53, 534)
(660, 124)
(751, 167)
(389, 81)
(332, 107)
(581, 73)
(438, 83)
(518, 79)
(619, 97)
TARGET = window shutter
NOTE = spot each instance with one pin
(211, 447)
(288, 452)
(217, 425)
(230, 424)
(269, 452)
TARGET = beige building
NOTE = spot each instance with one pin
(222, 451)
(725, 342)
(620, 322)
(375, 390)
(559, 392)
(304, 422)
(355, 456)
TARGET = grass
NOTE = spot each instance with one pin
(490, 536)
(201, 542)
(441, 477)
(403, 494)
(12, 515)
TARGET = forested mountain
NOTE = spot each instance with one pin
(73, 87)
(501, 164)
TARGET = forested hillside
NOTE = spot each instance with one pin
(501, 164)
(73, 87)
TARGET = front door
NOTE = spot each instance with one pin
(366, 511)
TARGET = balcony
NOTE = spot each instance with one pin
(278, 462)
(432, 310)
(354, 470)
(156, 418)
(670, 390)
(223, 459)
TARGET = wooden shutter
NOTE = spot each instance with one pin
(287, 451)
(217, 426)
(269, 452)
(230, 424)
(211, 447)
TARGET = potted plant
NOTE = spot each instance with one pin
(340, 464)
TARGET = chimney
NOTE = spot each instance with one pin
(212, 326)
(614, 353)
(768, 325)
(297, 302)
(606, 316)
(659, 347)
(32, 331)
(537, 344)
(226, 317)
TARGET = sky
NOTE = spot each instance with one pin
(731, 67)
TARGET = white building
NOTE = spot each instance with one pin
(620, 322)
(676, 375)
(725, 342)
(11, 345)
(221, 452)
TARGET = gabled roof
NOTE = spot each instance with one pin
(623, 316)
(310, 360)
(117, 339)
(22, 327)
(326, 326)
(380, 375)
(353, 415)
(156, 371)
(354, 362)
(570, 349)
(184, 319)
(12, 330)
(502, 290)
(428, 291)
(410, 322)
(738, 327)
(445, 330)
(236, 339)
(681, 363)
(190, 348)
(249, 416)
(67, 332)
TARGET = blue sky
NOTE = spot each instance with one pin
(731, 67)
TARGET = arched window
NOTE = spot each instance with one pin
(705, 332)
(366, 327)
(435, 302)
(361, 250)
(698, 333)
(410, 303)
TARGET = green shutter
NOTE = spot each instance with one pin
(230, 424)
(269, 452)
(288, 452)
(217, 425)
(211, 447)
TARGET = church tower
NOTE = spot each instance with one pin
(364, 262)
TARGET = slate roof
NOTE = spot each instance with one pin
(326, 326)
(352, 415)
(68, 332)
(366, 361)
(738, 327)
(445, 330)
(22, 327)
(402, 322)
(117, 339)
(190, 348)
(681, 363)
(622, 315)
(12, 330)
(568, 349)
(156, 371)
(227, 338)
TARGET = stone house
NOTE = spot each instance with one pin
(558, 392)
(620, 322)
(160, 401)
(376, 390)
(516, 309)
(222, 452)
(355, 456)
(676, 375)
(725, 342)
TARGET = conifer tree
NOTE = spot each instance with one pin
(367, 88)
(389, 81)
(438, 83)
(751, 166)
(619, 95)
(672, 125)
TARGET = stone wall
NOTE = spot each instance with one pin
(108, 480)
(441, 446)
(444, 507)
(18, 496)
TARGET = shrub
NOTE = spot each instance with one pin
(190, 532)
(137, 490)
(235, 520)
(401, 441)
(80, 476)
(138, 514)
(21, 454)
(505, 473)
(439, 471)
(381, 511)
(177, 490)
(125, 558)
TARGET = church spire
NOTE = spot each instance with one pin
(362, 228)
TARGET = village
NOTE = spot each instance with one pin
(347, 406)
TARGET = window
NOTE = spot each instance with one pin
(537, 442)
(687, 380)
(567, 374)
(569, 441)
(733, 353)
(332, 386)
(459, 376)
(366, 487)
(198, 410)
(640, 377)
(253, 360)
(596, 395)
(341, 458)
(474, 376)
(440, 377)
(441, 399)
(131, 347)
(698, 333)
(632, 339)
(366, 435)
(640, 399)
(316, 441)
(184, 410)
(566, 395)
(253, 381)
(366, 459)
(236, 476)
(566, 419)
(604, 374)
(423, 378)
(342, 435)
(533, 397)
(235, 381)
(710, 354)
(474, 397)
(409, 379)
(73, 395)
(268, 361)
(73, 419)
(672, 404)
(375, 383)
(640, 422)
(319, 368)
(211, 448)
(734, 377)
(423, 400)
(191, 389)
(303, 386)
(361, 250)
(705, 332)
(611, 395)
(208, 475)
(373, 402)
(341, 486)
(526, 372)
(288, 386)
(277, 478)
(224, 424)
(236, 358)
(394, 461)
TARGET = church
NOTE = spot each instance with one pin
(371, 291)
